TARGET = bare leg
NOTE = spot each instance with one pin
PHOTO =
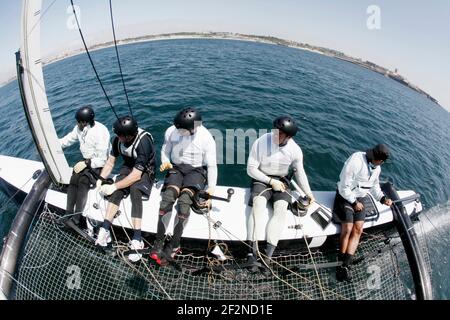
(111, 211)
(137, 222)
(346, 230)
(354, 237)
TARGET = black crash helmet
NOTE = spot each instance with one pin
(286, 125)
(85, 114)
(379, 152)
(186, 118)
(125, 126)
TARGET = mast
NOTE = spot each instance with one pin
(34, 97)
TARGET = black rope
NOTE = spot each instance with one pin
(117, 55)
(92, 62)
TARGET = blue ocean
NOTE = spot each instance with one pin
(341, 108)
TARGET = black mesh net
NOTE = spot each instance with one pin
(59, 264)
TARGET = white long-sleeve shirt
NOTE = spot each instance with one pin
(357, 179)
(197, 150)
(94, 143)
(268, 159)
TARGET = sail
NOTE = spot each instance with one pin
(31, 81)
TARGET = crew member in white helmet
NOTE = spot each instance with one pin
(189, 153)
(94, 147)
(270, 159)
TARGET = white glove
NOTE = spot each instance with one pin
(311, 199)
(210, 191)
(80, 166)
(98, 185)
(277, 185)
(165, 166)
(108, 189)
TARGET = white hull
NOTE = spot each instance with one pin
(232, 215)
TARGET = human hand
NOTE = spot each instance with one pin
(311, 198)
(98, 185)
(358, 206)
(165, 166)
(108, 189)
(208, 203)
(80, 166)
(388, 202)
(210, 191)
(277, 185)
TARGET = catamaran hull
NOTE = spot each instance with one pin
(226, 221)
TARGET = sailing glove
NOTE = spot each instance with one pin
(165, 166)
(277, 185)
(80, 166)
(311, 199)
(108, 189)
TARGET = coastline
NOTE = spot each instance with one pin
(106, 45)
(243, 37)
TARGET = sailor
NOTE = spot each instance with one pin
(271, 157)
(189, 155)
(359, 176)
(94, 147)
(135, 179)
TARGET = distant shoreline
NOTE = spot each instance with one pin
(166, 37)
(243, 37)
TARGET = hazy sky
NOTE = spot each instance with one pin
(414, 36)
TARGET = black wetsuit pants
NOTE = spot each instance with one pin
(79, 186)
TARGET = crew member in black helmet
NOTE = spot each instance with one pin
(359, 176)
(269, 161)
(94, 147)
(135, 178)
(189, 153)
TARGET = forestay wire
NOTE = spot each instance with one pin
(118, 58)
(92, 62)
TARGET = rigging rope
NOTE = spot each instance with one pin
(3, 207)
(125, 259)
(90, 59)
(118, 58)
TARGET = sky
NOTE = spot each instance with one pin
(409, 35)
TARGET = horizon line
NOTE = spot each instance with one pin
(268, 39)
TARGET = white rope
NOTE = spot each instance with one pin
(12, 197)
(280, 265)
(130, 264)
(20, 284)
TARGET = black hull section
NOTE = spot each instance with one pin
(19, 229)
(417, 263)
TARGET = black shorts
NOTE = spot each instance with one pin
(87, 173)
(186, 176)
(343, 210)
(145, 184)
(258, 187)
